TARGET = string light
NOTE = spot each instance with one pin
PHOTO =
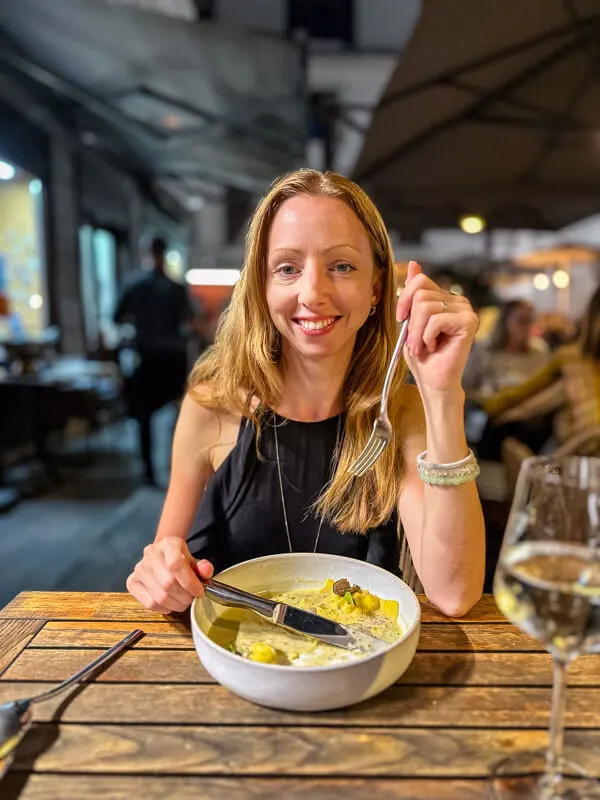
(541, 281)
(561, 279)
(472, 223)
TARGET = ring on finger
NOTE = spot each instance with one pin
(444, 305)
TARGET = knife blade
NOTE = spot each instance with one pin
(309, 624)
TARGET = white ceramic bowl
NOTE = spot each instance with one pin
(308, 688)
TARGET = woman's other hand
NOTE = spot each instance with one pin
(168, 578)
(441, 331)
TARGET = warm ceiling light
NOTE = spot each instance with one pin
(561, 279)
(472, 223)
(541, 281)
(212, 277)
(7, 171)
(36, 301)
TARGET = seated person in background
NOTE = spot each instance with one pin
(285, 400)
(557, 329)
(568, 388)
(512, 355)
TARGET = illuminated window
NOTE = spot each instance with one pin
(23, 310)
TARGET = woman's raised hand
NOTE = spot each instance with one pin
(440, 333)
(168, 578)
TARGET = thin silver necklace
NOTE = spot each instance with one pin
(285, 516)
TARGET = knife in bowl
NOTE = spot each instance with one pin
(291, 617)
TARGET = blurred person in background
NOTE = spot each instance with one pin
(557, 329)
(512, 354)
(284, 401)
(560, 401)
(163, 317)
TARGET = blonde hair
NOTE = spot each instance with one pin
(242, 365)
(590, 329)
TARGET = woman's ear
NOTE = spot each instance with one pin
(377, 290)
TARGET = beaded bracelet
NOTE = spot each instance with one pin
(452, 474)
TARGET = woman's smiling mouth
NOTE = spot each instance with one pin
(316, 327)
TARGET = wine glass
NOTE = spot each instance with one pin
(548, 584)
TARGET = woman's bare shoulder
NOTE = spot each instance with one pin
(208, 432)
(205, 421)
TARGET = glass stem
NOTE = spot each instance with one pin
(557, 717)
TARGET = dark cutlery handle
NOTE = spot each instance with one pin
(90, 668)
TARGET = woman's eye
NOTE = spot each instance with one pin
(344, 268)
(286, 269)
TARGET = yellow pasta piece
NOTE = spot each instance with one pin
(368, 602)
(390, 608)
(260, 651)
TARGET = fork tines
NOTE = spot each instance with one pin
(372, 450)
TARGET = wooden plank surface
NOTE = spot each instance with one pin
(427, 668)
(155, 724)
(126, 787)
(298, 751)
(78, 605)
(177, 635)
(121, 606)
(165, 635)
(15, 634)
(427, 706)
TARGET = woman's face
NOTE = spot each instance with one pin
(518, 325)
(320, 276)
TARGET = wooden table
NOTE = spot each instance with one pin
(154, 725)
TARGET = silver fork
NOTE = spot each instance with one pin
(15, 716)
(382, 429)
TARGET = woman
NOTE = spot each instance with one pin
(285, 400)
(512, 353)
(568, 388)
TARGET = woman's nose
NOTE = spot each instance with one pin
(313, 285)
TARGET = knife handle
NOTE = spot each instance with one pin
(230, 596)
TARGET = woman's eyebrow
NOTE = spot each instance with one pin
(286, 250)
(340, 246)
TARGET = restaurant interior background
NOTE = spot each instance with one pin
(475, 131)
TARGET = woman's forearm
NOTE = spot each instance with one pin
(452, 552)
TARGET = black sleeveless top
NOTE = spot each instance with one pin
(241, 513)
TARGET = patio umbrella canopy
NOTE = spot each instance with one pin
(493, 109)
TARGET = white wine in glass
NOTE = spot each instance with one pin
(548, 584)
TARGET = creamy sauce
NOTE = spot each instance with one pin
(251, 637)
